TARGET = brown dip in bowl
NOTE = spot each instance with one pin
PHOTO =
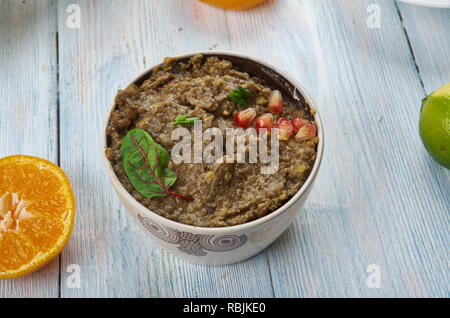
(224, 194)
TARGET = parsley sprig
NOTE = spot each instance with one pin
(184, 120)
(240, 96)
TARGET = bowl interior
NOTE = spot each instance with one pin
(252, 67)
(273, 78)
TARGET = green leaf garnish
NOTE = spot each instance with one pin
(240, 96)
(183, 120)
(145, 163)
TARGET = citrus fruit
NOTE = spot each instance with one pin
(434, 125)
(233, 4)
(37, 211)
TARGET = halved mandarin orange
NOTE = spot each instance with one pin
(37, 212)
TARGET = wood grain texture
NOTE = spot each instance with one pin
(427, 30)
(28, 102)
(117, 259)
(379, 198)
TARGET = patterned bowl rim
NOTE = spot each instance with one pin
(235, 228)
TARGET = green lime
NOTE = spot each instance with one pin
(434, 125)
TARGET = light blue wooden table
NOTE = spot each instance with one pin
(379, 209)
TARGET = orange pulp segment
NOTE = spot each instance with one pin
(37, 212)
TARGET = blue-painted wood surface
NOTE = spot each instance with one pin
(28, 104)
(379, 198)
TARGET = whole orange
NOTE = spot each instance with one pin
(233, 4)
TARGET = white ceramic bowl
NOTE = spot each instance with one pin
(430, 3)
(225, 245)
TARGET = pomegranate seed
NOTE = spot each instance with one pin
(285, 128)
(264, 121)
(244, 117)
(275, 102)
(298, 123)
(307, 132)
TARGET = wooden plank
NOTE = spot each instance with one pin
(367, 206)
(116, 41)
(427, 32)
(28, 91)
(378, 198)
(426, 29)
